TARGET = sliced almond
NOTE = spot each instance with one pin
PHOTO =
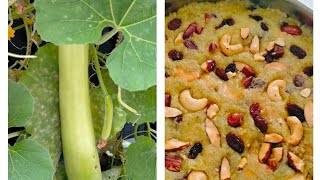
(278, 66)
(242, 163)
(264, 153)
(213, 133)
(212, 110)
(277, 153)
(295, 162)
(179, 39)
(258, 57)
(308, 113)
(273, 138)
(296, 130)
(175, 144)
(172, 112)
(225, 169)
(244, 32)
(305, 92)
(280, 42)
(197, 175)
(272, 163)
(254, 46)
(270, 46)
(231, 74)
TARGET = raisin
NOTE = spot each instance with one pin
(290, 29)
(199, 29)
(174, 24)
(295, 110)
(190, 44)
(246, 70)
(173, 163)
(213, 47)
(221, 74)
(235, 142)
(231, 68)
(255, 110)
(210, 65)
(251, 8)
(297, 51)
(277, 53)
(308, 71)
(190, 30)
(195, 150)
(257, 18)
(235, 119)
(269, 58)
(264, 26)
(257, 83)
(298, 80)
(166, 74)
(175, 55)
(247, 81)
(261, 123)
(178, 118)
(228, 22)
(167, 100)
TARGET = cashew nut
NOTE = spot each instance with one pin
(280, 42)
(213, 133)
(273, 90)
(278, 66)
(270, 46)
(225, 169)
(244, 32)
(187, 76)
(308, 113)
(172, 112)
(305, 92)
(179, 39)
(197, 175)
(254, 46)
(212, 110)
(242, 163)
(175, 144)
(190, 103)
(273, 138)
(296, 130)
(228, 49)
(231, 74)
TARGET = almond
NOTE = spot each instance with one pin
(175, 144)
(264, 153)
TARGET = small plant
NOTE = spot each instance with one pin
(63, 126)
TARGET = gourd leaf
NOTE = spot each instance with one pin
(29, 160)
(42, 79)
(132, 64)
(141, 159)
(20, 104)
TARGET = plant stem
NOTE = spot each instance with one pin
(21, 56)
(18, 27)
(127, 106)
(107, 36)
(148, 129)
(15, 134)
(98, 71)
(28, 51)
(135, 131)
(29, 8)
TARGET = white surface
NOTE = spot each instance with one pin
(309, 3)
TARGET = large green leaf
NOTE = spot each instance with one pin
(42, 80)
(133, 63)
(112, 174)
(20, 104)
(27, 161)
(141, 159)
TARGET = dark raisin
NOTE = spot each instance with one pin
(166, 74)
(308, 70)
(190, 30)
(257, 83)
(174, 24)
(178, 118)
(247, 81)
(235, 142)
(297, 51)
(290, 29)
(255, 110)
(269, 58)
(231, 68)
(228, 21)
(190, 44)
(295, 110)
(221, 74)
(175, 55)
(213, 47)
(251, 8)
(210, 65)
(167, 99)
(261, 123)
(264, 26)
(257, 18)
(298, 80)
(246, 70)
(235, 119)
(277, 53)
(195, 150)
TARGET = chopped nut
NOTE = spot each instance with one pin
(212, 110)
(189, 76)
(308, 113)
(173, 163)
(179, 39)
(208, 66)
(273, 138)
(277, 153)
(305, 92)
(175, 144)
(197, 175)
(295, 162)
(254, 47)
(231, 74)
(264, 153)
(213, 133)
(258, 57)
(270, 46)
(225, 169)
(244, 32)
(172, 112)
(228, 49)
(280, 42)
(242, 163)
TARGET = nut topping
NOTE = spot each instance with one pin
(235, 119)
(172, 112)
(264, 153)
(291, 29)
(179, 39)
(305, 92)
(254, 47)
(273, 138)
(197, 175)
(225, 169)
(213, 47)
(258, 57)
(280, 42)
(221, 74)
(277, 153)
(244, 32)
(273, 90)
(231, 74)
(295, 162)
(270, 46)
(308, 113)
(248, 71)
(190, 30)
(296, 130)
(208, 66)
(212, 110)
(190, 103)
(175, 144)
(213, 133)
(242, 163)
(228, 49)
(246, 82)
(173, 163)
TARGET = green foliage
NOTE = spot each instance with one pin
(112, 174)
(141, 159)
(20, 104)
(29, 160)
(42, 80)
(132, 64)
